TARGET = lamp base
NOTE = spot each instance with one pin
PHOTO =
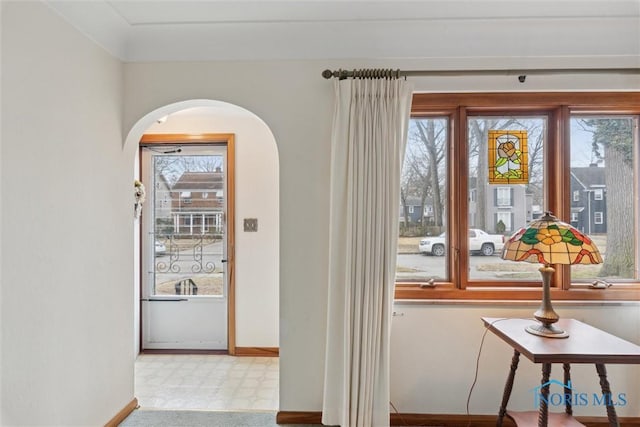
(547, 331)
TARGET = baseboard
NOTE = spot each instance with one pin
(444, 420)
(183, 352)
(298, 417)
(239, 351)
(447, 420)
(602, 421)
(257, 351)
(290, 417)
(124, 413)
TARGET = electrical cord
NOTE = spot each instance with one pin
(404, 423)
(475, 376)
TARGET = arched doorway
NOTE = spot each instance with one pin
(255, 328)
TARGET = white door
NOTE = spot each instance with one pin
(184, 248)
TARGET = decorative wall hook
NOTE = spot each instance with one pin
(139, 194)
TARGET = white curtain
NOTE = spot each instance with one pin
(368, 143)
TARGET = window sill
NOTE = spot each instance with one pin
(408, 292)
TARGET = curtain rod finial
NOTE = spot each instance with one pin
(327, 74)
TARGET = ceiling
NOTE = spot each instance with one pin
(157, 30)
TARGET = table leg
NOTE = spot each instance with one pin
(508, 387)
(606, 394)
(568, 393)
(543, 415)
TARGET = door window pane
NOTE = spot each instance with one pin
(188, 235)
(422, 245)
(604, 156)
(498, 210)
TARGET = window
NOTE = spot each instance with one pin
(449, 147)
(410, 209)
(422, 253)
(604, 155)
(503, 196)
(505, 219)
(597, 194)
(597, 217)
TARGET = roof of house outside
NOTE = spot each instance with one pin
(590, 176)
(199, 181)
(413, 201)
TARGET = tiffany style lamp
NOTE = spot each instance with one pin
(549, 241)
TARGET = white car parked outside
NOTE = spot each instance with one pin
(479, 242)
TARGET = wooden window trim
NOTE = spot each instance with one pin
(558, 107)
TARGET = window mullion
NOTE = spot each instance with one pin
(559, 186)
(458, 227)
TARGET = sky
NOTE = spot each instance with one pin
(581, 152)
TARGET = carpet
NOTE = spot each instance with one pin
(171, 418)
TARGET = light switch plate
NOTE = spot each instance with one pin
(251, 224)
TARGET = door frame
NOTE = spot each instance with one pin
(227, 139)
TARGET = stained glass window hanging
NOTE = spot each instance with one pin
(508, 160)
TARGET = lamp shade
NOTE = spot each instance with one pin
(550, 241)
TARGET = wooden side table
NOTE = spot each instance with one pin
(585, 344)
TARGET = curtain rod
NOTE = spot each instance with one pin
(381, 73)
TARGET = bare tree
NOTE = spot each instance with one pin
(201, 163)
(424, 168)
(478, 148)
(173, 167)
(536, 136)
(431, 138)
(407, 189)
(413, 179)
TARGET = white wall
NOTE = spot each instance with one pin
(256, 253)
(67, 222)
(435, 348)
(297, 109)
(296, 103)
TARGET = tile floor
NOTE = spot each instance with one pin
(207, 382)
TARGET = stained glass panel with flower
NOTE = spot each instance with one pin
(508, 156)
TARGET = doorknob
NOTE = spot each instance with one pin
(223, 260)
